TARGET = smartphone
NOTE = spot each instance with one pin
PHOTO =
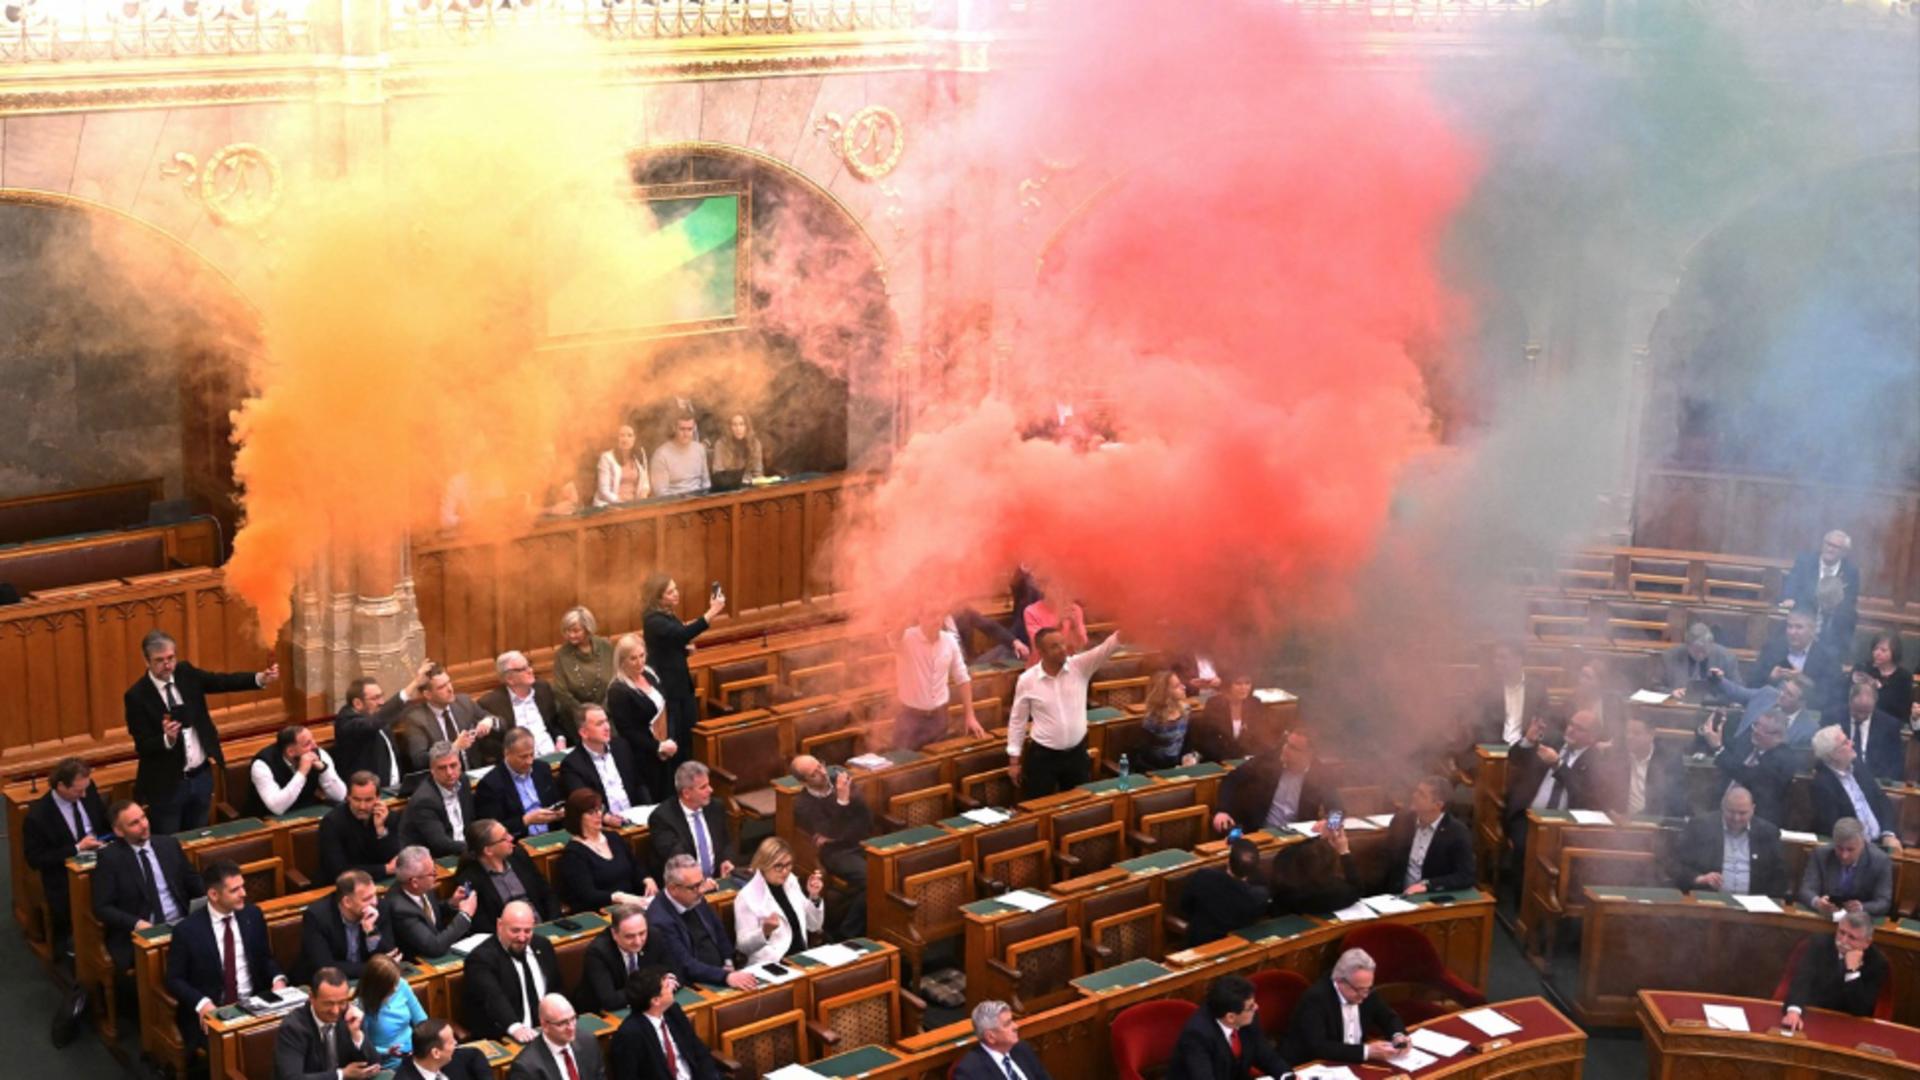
(461, 892)
(715, 591)
(566, 924)
(1335, 820)
(775, 969)
(270, 996)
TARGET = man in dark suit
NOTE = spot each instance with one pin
(656, 1038)
(363, 730)
(1509, 702)
(204, 971)
(355, 835)
(1794, 649)
(693, 824)
(1233, 725)
(325, 1040)
(442, 714)
(1848, 874)
(1687, 668)
(1221, 1041)
(1000, 1053)
(440, 807)
(1428, 849)
(1875, 735)
(600, 762)
(525, 702)
(1217, 902)
(344, 931)
(1651, 779)
(1843, 973)
(1340, 1018)
(1843, 787)
(1276, 788)
(1760, 761)
(614, 956)
(697, 947)
(1834, 560)
(437, 1053)
(507, 975)
(144, 880)
(69, 818)
(173, 733)
(563, 1051)
(424, 926)
(1573, 777)
(1731, 851)
(521, 793)
(498, 871)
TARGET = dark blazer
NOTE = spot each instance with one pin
(977, 1064)
(1588, 782)
(347, 843)
(1247, 792)
(161, 766)
(1203, 1053)
(492, 989)
(496, 702)
(603, 972)
(587, 882)
(1885, 752)
(1896, 690)
(1668, 795)
(1315, 1031)
(419, 727)
(1491, 725)
(46, 840)
(577, 771)
(631, 713)
(467, 1064)
(1698, 851)
(536, 1062)
(1298, 890)
(1830, 802)
(1211, 735)
(539, 892)
(636, 1052)
(664, 925)
(1872, 882)
(1215, 904)
(667, 640)
(670, 833)
(194, 970)
(1822, 666)
(1673, 669)
(323, 941)
(299, 1055)
(1820, 982)
(1804, 579)
(120, 891)
(425, 820)
(358, 742)
(1449, 862)
(417, 939)
(1768, 778)
(495, 796)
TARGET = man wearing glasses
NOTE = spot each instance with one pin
(524, 701)
(561, 1052)
(698, 948)
(1336, 1016)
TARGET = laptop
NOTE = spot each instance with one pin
(729, 480)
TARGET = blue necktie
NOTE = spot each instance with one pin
(700, 845)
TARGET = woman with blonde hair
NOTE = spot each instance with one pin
(773, 914)
(739, 448)
(582, 665)
(638, 711)
(621, 475)
(1166, 723)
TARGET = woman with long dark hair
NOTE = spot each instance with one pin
(668, 642)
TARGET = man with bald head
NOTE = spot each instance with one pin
(507, 976)
(836, 822)
(1731, 852)
(563, 1051)
(1574, 776)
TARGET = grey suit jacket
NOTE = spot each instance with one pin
(1872, 882)
(536, 1062)
(419, 727)
(1674, 669)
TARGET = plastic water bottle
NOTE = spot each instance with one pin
(1125, 769)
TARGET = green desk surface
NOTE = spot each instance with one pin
(1103, 714)
(554, 758)
(1708, 896)
(1285, 926)
(987, 907)
(1495, 749)
(1131, 973)
(1195, 771)
(1457, 896)
(221, 831)
(588, 920)
(1117, 783)
(593, 1023)
(495, 1052)
(1552, 815)
(1911, 926)
(156, 932)
(787, 783)
(552, 838)
(309, 813)
(903, 757)
(1643, 895)
(908, 836)
(855, 1062)
(1159, 860)
(864, 946)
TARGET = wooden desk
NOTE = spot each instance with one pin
(1547, 1047)
(1680, 1046)
(1459, 924)
(1489, 804)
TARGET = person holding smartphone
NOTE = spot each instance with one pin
(669, 642)
(774, 913)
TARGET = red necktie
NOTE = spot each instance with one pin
(1233, 1044)
(566, 1055)
(666, 1043)
(230, 974)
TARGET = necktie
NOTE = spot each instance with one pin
(666, 1045)
(526, 991)
(230, 970)
(1233, 1044)
(446, 721)
(172, 697)
(353, 943)
(633, 962)
(155, 912)
(426, 905)
(326, 1045)
(79, 830)
(1008, 1062)
(1846, 879)
(700, 844)
(566, 1055)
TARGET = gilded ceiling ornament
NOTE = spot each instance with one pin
(869, 143)
(239, 185)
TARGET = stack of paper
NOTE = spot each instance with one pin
(794, 1072)
(474, 776)
(1650, 697)
(1273, 695)
(1356, 913)
(831, 955)
(1325, 1072)
(467, 944)
(1792, 836)
(1491, 1023)
(637, 815)
(1026, 899)
(1411, 1059)
(869, 761)
(1361, 824)
(1305, 828)
(987, 815)
(1591, 817)
(1437, 1043)
(1757, 903)
(1726, 1017)
(1386, 904)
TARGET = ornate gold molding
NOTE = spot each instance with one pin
(869, 143)
(239, 185)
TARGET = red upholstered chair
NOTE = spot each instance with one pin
(1882, 1006)
(1277, 992)
(1144, 1034)
(1407, 961)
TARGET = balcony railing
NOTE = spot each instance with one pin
(37, 31)
(429, 23)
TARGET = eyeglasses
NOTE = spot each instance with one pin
(784, 864)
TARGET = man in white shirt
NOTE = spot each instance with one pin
(928, 662)
(523, 701)
(293, 773)
(1051, 700)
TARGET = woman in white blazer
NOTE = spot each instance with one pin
(622, 473)
(763, 925)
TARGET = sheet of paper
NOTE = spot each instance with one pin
(479, 774)
(831, 955)
(1356, 913)
(1411, 1059)
(869, 761)
(794, 1072)
(1437, 1043)
(1726, 1017)
(986, 815)
(467, 944)
(1794, 836)
(761, 972)
(1305, 828)
(1386, 904)
(1490, 1023)
(637, 815)
(1325, 1072)
(1757, 903)
(1026, 899)
(1591, 817)
(1360, 824)
(1382, 820)
(1273, 695)
(1650, 697)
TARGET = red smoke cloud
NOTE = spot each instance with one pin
(1243, 296)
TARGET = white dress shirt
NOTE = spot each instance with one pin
(451, 800)
(168, 908)
(170, 698)
(1055, 705)
(1549, 785)
(925, 670)
(526, 714)
(522, 972)
(1004, 1064)
(1417, 855)
(242, 978)
(278, 798)
(1515, 726)
(681, 1070)
(1637, 783)
(1350, 1030)
(617, 801)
